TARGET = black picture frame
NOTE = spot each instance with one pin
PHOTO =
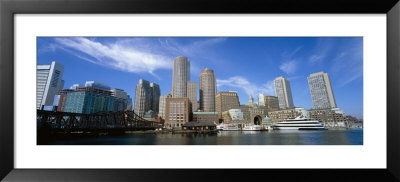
(9, 8)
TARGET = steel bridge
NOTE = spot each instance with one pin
(101, 121)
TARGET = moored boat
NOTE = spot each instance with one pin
(299, 124)
(230, 127)
(252, 128)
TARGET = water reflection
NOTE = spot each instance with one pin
(275, 137)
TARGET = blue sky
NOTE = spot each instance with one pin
(244, 64)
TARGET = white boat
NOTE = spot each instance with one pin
(252, 128)
(299, 124)
(230, 127)
(220, 127)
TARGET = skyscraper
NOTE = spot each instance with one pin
(155, 97)
(48, 83)
(208, 90)
(283, 92)
(162, 105)
(146, 95)
(180, 77)
(192, 94)
(321, 91)
(142, 97)
(225, 101)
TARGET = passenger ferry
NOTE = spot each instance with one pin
(252, 128)
(299, 124)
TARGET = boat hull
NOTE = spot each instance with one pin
(299, 128)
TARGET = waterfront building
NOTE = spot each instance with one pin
(271, 102)
(192, 95)
(208, 89)
(332, 117)
(233, 116)
(283, 92)
(142, 97)
(177, 112)
(200, 126)
(155, 97)
(87, 100)
(205, 116)
(257, 113)
(48, 83)
(162, 104)
(180, 77)
(245, 114)
(225, 101)
(284, 114)
(321, 91)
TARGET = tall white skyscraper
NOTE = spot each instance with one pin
(283, 92)
(180, 77)
(321, 91)
(208, 90)
(48, 83)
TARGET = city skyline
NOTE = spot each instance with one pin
(341, 58)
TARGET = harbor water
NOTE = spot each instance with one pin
(274, 137)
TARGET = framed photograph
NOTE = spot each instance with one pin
(144, 90)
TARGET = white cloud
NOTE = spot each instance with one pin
(314, 58)
(247, 86)
(195, 48)
(348, 63)
(135, 55)
(289, 67)
(128, 58)
(322, 48)
(287, 55)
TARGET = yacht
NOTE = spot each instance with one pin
(299, 124)
(252, 128)
(230, 127)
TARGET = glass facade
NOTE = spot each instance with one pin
(88, 102)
